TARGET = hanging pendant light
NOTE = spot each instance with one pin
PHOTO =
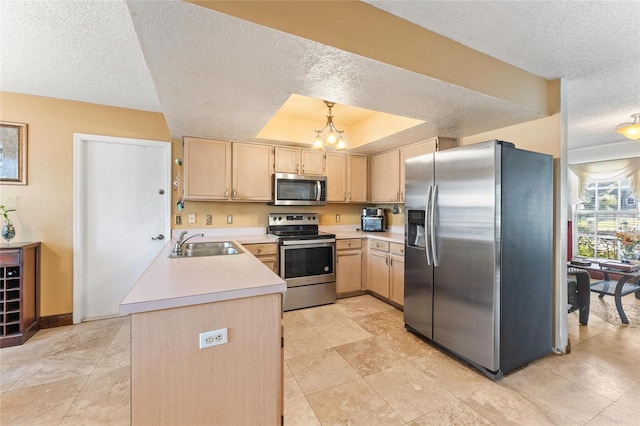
(329, 135)
(630, 130)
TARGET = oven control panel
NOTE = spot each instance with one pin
(293, 219)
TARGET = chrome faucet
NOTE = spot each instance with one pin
(177, 248)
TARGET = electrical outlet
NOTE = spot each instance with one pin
(208, 219)
(178, 220)
(192, 218)
(229, 219)
(213, 338)
(337, 218)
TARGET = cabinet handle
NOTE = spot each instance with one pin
(344, 196)
(391, 261)
(349, 197)
(226, 192)
(398, 196)
(386, 260)
(234, 194)
(297, 168)
(259, 249)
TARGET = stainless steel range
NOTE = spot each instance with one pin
(307, 259)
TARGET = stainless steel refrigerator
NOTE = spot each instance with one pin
(479, 253)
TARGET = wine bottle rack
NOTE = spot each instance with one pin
(19, 290)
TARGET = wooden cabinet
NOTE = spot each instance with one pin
(358, 178)
(378, 273)
(300, 161)
(386, 270)
(348, 266)
(19, 293)
(396, 273)
(387, 168)
(252, 169)
(347, 178)
(336, 166)
(236, 383)
(266, 253)
(207, 169)
(217, 170)
(385, 177)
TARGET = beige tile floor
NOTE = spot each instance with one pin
(350, 363)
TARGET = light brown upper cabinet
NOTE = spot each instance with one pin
(222, 170)
(207, 169)
(299, 161)
(387, 168)
(336, 177)
(252, 168)
(385, 177)
(346, 178)
(358, 178)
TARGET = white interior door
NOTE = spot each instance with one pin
(121, 218)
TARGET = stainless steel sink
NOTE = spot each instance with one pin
(219, 248)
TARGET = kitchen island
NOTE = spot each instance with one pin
(173, 381)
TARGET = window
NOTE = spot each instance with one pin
(605, 207)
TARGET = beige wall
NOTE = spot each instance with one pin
(45, 206)
(542, 135)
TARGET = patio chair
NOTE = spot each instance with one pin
(579, 297)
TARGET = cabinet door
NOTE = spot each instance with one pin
(378, 274)
(336, 177)
(207, 169)
(312, 162)
(271, 262)
(287, 160)
(357, 179)
(385, 171)
(251, 172)
(414, 150)
(396, 276)
(348, 271)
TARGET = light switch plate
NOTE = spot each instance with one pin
(192, 218)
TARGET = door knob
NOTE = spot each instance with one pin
(159, 237)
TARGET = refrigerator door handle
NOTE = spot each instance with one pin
(432, 219)
(427, 230)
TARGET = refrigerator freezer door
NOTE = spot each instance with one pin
(466, 305)
(418, 274)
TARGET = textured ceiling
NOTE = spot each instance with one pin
(215, 75)
(78, 50)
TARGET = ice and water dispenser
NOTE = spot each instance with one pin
(415, 228)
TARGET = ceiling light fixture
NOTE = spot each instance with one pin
(630, 130)
(329, 135)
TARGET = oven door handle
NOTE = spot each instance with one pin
(306, 243)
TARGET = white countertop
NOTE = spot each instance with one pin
(394, 235)
(177, 282)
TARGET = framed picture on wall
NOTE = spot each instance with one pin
(13, 153)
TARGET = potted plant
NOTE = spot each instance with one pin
(629, 239)
(8, 230)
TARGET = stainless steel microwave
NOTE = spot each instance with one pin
(299, 190)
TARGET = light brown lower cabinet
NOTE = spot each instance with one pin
(173, 382)
(348, 266)
(385, 274)
(266, 253)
